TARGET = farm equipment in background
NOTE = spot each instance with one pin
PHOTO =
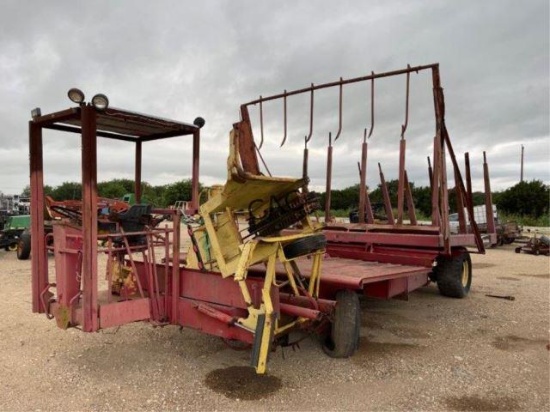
(282, 273)
(71, 210)
(536, 245)
(506, 232)
(14, 227)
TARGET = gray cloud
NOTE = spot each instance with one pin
(180, 60)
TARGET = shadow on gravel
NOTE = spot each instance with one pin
(242, 382)
(478, 403)
(483, 265)
(514, 343)
(507, 278)
(540, 276)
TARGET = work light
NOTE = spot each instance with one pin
(199, 122)
(36, 112)
(76, 95)
(100, 102)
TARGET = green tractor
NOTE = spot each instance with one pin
(13, 232)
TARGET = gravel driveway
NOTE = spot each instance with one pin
(430, 353)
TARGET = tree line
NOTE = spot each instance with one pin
(523, 199)
(159, 196)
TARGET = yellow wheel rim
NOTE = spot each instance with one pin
(12, 247)
(465, 273)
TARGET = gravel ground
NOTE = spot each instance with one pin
(430, 353)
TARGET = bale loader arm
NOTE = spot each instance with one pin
(218, 244)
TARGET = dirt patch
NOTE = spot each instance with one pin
(242, 382)
(515, 343)
(507, 278)
(479, 403)
(370, 350)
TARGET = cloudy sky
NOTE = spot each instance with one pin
(180, 60)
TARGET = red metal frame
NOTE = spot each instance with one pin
(394, 241)
(383, 260)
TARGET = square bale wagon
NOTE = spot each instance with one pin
(284, 272)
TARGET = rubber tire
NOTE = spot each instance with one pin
(305, 246)
(24, 246)
(448, 273)
(343, 338)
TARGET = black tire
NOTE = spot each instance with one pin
(305, 246)
(343, 338)
(454, 274)
(518, 249)
(24, 247)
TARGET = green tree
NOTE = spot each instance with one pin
(177, 191)
(525, 199)
(48, 190)
(67, 191)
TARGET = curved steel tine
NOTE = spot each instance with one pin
(371, 105)
(310, 117)
(284, 137)
(261, 124)
(404, 126)
(340, 112)
(365, 136)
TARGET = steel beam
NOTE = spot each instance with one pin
(39, 262)
(89, 219)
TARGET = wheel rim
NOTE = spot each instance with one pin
(465, 273)
(12, 247)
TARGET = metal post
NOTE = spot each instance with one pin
(329, 179)
(363, 179)
(401, 182)
(521, 175)
(89, 219)
(488, 197)
(137, 183)
(195, 173)
(38, 245)
(305, 162)
(386, 196)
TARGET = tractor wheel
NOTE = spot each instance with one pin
(305, 246)
(24, 247)
(343, 339)
(12, 247)
(454, 275)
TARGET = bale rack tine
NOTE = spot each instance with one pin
(284, 116)
(261, 124)
(339, 111)
(371, 105)
(310, 116)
